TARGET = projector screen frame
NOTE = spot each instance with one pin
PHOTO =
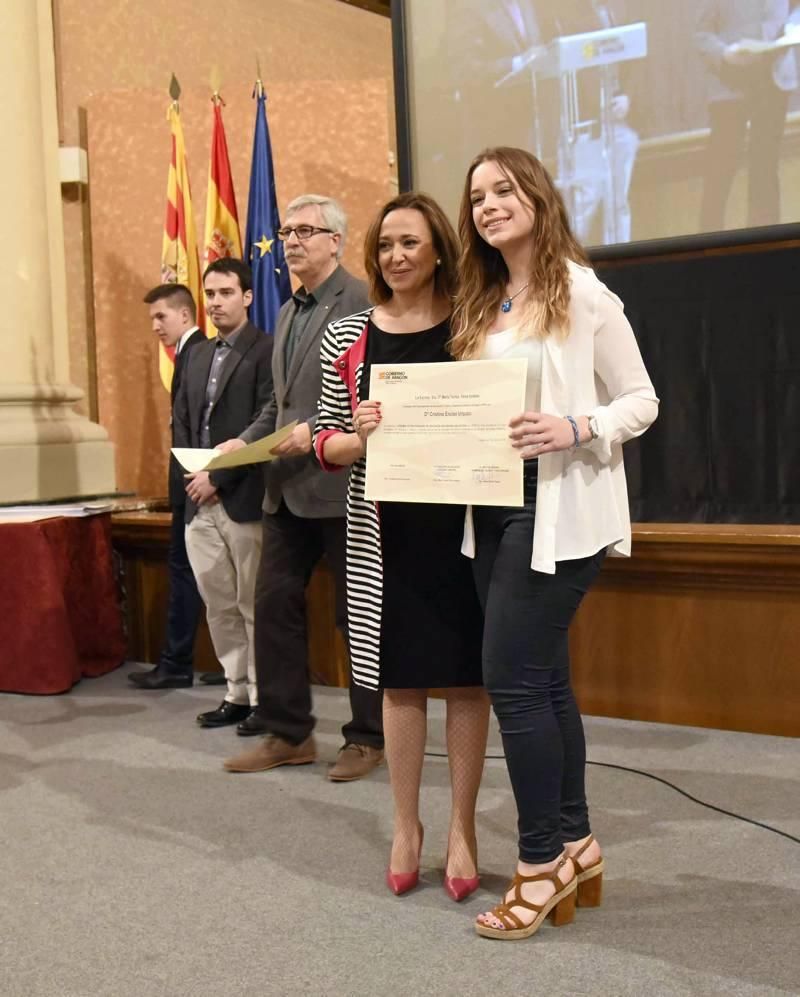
(729, 239)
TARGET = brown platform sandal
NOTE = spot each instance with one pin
(560, 907)
(590, 879)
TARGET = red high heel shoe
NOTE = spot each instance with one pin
(402, 882)
(459, 888)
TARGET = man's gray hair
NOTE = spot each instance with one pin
(333, 215)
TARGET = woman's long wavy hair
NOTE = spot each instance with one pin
(483, 274)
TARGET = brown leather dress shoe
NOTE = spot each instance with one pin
(354, 762)
(271, 752)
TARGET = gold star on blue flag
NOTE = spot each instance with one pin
(264, 244)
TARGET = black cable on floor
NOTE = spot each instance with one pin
(666, 782)
(694, 799)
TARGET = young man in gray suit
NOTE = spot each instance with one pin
(304, 510)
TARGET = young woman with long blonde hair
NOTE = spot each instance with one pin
(526, 290)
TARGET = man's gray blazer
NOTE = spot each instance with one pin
(306, 489)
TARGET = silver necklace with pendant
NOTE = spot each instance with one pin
(506, 305)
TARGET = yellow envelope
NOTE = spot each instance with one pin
(194, 459)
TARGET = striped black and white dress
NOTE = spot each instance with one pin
(413, 616)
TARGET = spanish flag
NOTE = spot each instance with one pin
(179, 260)
(222, 237)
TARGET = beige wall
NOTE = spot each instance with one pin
(327, 70)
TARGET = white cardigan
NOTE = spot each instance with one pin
(581, 496)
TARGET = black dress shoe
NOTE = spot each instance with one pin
(160, 679)
(252, 725)
(225, 714)
(136, 677)
(213, 678)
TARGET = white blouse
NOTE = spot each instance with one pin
(508, 344)
(597, 369)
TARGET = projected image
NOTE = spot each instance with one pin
(656, 119)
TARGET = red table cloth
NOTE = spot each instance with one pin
(60, 615)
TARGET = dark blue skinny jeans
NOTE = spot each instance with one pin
(526, 672)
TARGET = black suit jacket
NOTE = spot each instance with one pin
(177, 486)
(245, 386)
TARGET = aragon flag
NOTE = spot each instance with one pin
(263, 251)
(179, 260)
(222, 237)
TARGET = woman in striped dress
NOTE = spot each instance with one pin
(413, 615)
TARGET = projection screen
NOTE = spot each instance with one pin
(659, 120)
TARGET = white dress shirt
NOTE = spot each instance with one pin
(184, 337)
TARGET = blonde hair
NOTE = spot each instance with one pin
(483, 274)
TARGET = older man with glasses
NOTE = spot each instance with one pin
(304, 510)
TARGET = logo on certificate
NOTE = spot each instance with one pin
(392, 375)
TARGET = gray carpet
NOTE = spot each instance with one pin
(132, 864)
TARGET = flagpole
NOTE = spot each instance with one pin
(175, 93)
(259, 91)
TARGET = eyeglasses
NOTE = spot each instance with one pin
(302, 232)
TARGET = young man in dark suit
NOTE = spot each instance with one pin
(304, 510)
(174, 320)
(227, 381)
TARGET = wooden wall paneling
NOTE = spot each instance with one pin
(701, 626)
(327, 654)
(142, 541)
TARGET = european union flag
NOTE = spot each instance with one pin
(263, 251)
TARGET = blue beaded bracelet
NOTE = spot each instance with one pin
(575, 432)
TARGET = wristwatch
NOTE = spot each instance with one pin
(594, 429)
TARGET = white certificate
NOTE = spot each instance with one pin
(443, 436)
